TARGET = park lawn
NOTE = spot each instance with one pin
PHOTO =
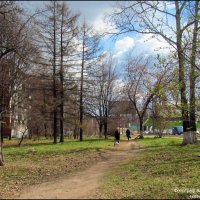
(39, 161)
(163, 169)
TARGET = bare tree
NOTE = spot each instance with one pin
(192, 68)
(161, 113)
(169, 20)
(16, 54)
(58, 44)
(10, 27)
(68, 32)
(102, 92)
(143, 82)
(48, 43)
(89, 53)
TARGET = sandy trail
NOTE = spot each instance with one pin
(84, 184)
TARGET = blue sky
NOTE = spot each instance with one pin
(94, 11)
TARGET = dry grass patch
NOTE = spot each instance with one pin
(40, 162)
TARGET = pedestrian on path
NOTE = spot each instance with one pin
(128, 134)
(117, 137)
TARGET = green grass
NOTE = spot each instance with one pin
(49, 148)
(38, 161)
(163, 169)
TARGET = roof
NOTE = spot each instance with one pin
(121, 107)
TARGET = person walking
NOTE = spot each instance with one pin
(117, 137)
(128, 134)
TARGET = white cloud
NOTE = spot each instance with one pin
(123, 45)
(101, 26)
(170, 5)
(151, 44)
(94, 13)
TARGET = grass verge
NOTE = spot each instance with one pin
(40, 161)
(163, 169)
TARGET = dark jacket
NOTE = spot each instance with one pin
(128, 133)
(117, 135)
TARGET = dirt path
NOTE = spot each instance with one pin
(82, 185)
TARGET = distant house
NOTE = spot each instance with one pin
(32, 112)
(19, 113)
(122, 115)
(28, 108)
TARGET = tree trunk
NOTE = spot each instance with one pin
(9, 137)
(189, 137)
(192, 72)
(100, 129)
(22, 138)
(45, 130)
(1, 131)
(37, 132)
(105, 130)
(1, 147)
(184, 103)
(141, 123)
(1, 160)
(1, 124)
(30, 134)
(75, 133)
(54, 82)
(81, 86)
(141, 127)
(61, 115)
(192, 99)
(61, 83)
(106, 120)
